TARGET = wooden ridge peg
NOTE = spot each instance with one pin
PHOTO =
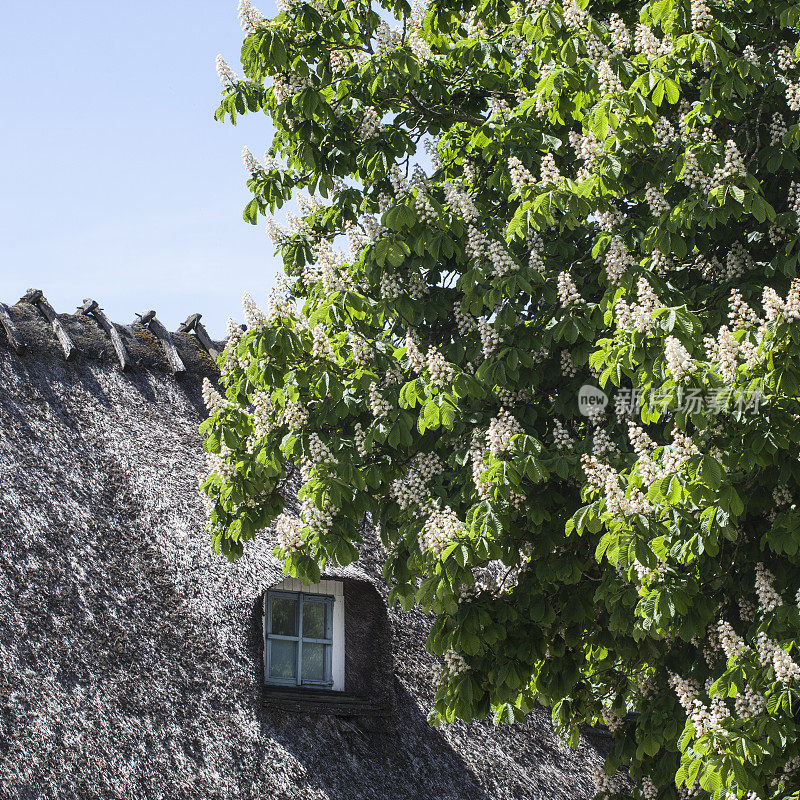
(36, 297)
(151, 321)
(91, 307)
(194, 325)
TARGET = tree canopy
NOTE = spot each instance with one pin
(514, 207)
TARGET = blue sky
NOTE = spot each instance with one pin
(117, 182)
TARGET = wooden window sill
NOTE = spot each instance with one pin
(321, 701)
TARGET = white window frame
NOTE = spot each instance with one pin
(333, 592)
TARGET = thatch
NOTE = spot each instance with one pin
(130, 655)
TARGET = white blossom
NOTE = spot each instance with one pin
(441, 528)
(250, 17)
(490, 339)
(227, 76)
(501, 429)
(768, 598)
(289, 531)
(568, 366)
(679, 362)
(548, 169)
(568, 294)
(214, 401)
(701, 14)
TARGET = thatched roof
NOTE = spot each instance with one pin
(130, 655)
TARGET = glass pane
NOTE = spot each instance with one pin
(283, 659)
(284, 616)
(314, 619)
(314, 661)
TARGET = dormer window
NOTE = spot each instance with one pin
(304, 637)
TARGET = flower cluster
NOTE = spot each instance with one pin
(770, 654)
(638, 316)
(520, 175)
(561, 438)
(441, 527)
(665, 132)
(781, 495)
(515, 398)
(320, 344)
(360, 440)
(320, 520)
(294, 416)
(602, 443)
(410, 490)
(605, 784)
(568, 367)
(655, 199)
(227, 76)
(729, 641)
(679, 362)
(535, 260)
(648, 44)
(784, 58)
(454, 664)
(693, 175)
(370, 125)
(390, 286)
(620, 35)
(777, 129)
(490, 338)
(793, 95)
(568, 294)
(611, 720)
(768, 598)
(277, 235)
(686, 690)
(501, 429)
(609, 218)
(586, 145)
(416, 360)
(644, 448)
(378, 404)
(608, 79)
(318, 451)
(724, 352)
(678, 452)
(749, 703)
(289, 532)
(617, 260)
(737, 261)
(701, 14)
(502, 262)
(732, 167)
(230, 353)
(263, 418)
(250, 17)
(574, 15)
(440, 371)
(214, 401)
(740, 315)
(250, 162)
(548, 169)
(285, 87)
(776, 309)
(464, 322)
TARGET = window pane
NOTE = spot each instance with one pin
(314, 661)
(314, 619)
(284, 616)
(283, 659)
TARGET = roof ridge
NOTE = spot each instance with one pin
(70, 333)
